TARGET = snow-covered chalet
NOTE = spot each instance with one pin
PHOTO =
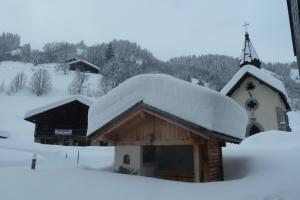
(261, 94)
(63, 122)
(165, 127)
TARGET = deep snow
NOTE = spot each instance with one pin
(263, 167)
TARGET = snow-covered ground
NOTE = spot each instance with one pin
(263, 167)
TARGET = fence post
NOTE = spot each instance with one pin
(33, 162)
(77, 157)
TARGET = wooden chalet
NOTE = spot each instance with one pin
(82, 65)
(63, 122)
(153, 140)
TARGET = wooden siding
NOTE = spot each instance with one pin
(215, 166)
(147, 130)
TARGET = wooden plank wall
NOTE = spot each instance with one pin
(215, 163)
(152, 131)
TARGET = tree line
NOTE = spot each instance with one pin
(122, 59)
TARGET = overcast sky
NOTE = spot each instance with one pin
(167, 28)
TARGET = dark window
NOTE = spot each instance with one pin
(253, 130)
(149, 154)
(251, 104)
(126, 159)
(250, 86)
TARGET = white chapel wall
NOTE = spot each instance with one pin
(267, 98)
(134, 153)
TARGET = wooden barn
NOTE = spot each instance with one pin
(63, 122)
(82, 65)
(167, 128)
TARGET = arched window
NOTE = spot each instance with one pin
(251, 104)
(126, 159)
(254, 128)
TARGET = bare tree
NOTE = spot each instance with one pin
(63, 67)
(2, 86)
(77, 83)
(41, 82)
(17, 83)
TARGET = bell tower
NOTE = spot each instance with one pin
(249, 55)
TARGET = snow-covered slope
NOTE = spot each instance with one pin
(13, 108)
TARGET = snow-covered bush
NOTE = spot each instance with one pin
(41, 82)
(77, 84)
(17, 83)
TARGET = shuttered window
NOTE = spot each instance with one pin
(281, 119)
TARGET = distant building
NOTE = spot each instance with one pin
(294, 16)
(261, 94)
(167, 128)
(63, 122)
(82, 65)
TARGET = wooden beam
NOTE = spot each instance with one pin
(196, 163)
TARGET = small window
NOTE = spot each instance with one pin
(250, 86)
(126, 159)
(251, 104)
(282, 119)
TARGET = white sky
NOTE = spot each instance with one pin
(167, 28)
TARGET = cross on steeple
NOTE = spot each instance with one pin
(246, 26)
(249, 55)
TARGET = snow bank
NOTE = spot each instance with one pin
(4, 134)
(193, 103)
(272, 139)
(56, 104)
(261, 74)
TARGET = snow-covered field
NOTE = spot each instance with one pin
(263, 167)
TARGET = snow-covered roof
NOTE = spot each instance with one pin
(84, 61)
(261, 74)
(44, 108)
(192, 103)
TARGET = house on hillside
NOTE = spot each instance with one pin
(260, 93)
(81, 65)
(63, 122)
(166, 127)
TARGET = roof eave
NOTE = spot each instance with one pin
(195, 127)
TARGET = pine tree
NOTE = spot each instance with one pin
(109, 52)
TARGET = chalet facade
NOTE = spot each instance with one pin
(261, 94)
(81, 65)
(63, 122)
(167, 128)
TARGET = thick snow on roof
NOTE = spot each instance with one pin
(86, 62)
(261, 74)
(193, 103)
(56, 104)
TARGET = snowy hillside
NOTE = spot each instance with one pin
(13, 108)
